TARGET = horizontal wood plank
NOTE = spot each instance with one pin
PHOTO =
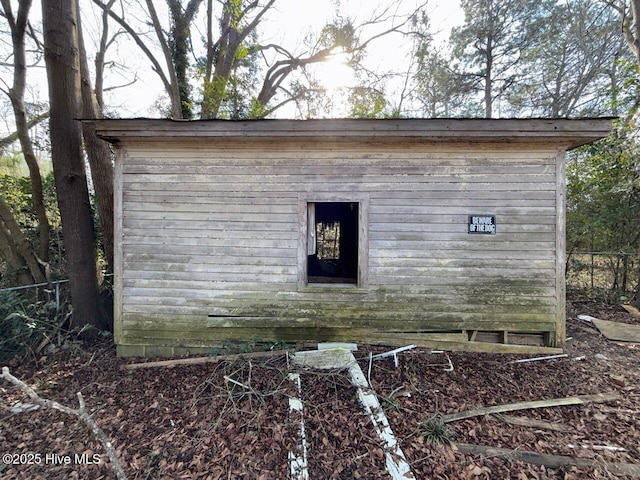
(568, 133)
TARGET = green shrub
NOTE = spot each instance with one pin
(434, 430)
(28, 325)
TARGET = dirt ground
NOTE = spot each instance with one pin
(231, 420)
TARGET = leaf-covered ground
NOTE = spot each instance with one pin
(231, 420)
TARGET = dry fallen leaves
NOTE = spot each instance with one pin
(187, 422)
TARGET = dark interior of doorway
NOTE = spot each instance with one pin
(336, 257)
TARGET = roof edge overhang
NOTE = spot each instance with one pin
(561, 132)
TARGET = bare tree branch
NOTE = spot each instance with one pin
(281, 69)
(9, 139)
(629, 23)
(100, 56)
(136, 38)
(80, 412)
(172, 87)
(122, 85)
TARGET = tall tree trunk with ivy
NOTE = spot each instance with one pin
(179, 41)
(98, 151)
(18, 25)
(61, 57)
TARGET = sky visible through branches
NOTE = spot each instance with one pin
(289, 24)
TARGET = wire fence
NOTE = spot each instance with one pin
(56, 290)
(49, 288)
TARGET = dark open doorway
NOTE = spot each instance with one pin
(335, 232)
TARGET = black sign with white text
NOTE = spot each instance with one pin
(482, 224)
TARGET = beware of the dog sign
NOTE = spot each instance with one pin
(482, 224)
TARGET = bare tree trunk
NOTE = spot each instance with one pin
(61, 57)
(172, 86)
(630, 24)
(488, 81)
(18, 26)
(15, 265)
(20, 245)
(99, 154)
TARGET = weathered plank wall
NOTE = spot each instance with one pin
(209, 241)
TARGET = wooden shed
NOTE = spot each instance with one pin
(446, 233)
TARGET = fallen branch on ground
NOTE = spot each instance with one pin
(510, 407)
(551, 461)
(80, 412)
(198, 360)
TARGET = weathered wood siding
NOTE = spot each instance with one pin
(208, 239)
